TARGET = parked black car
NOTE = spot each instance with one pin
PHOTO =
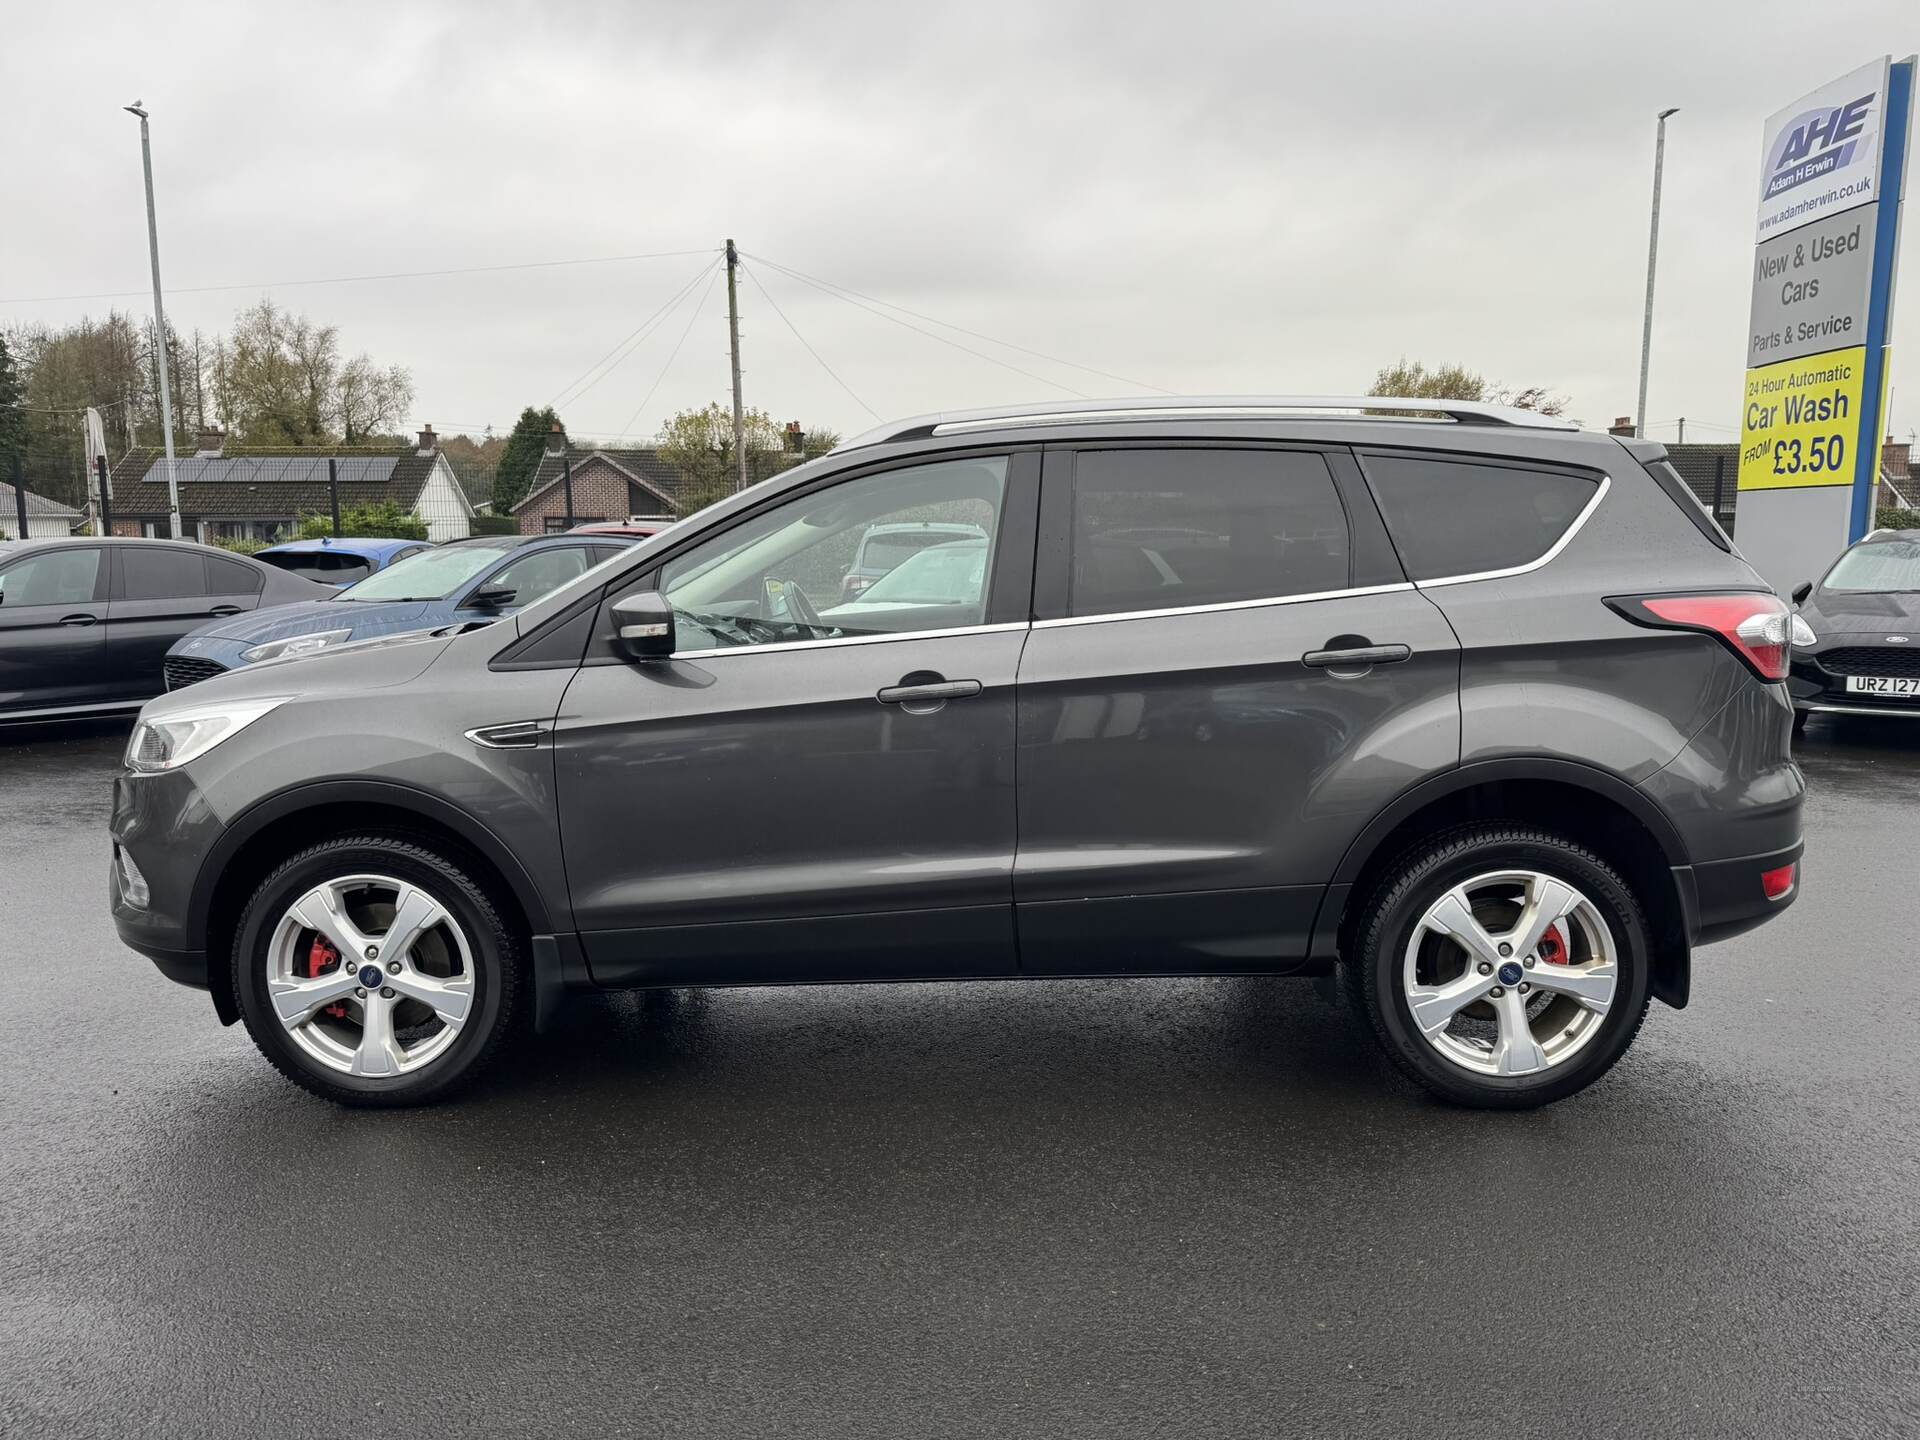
(85, 624)
(1479, 707)
(1856, 644)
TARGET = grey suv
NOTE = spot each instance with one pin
(1480, 709)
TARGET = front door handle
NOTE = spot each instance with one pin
(923, 697)
(82, 620)
(1356, 657)
(222, 611)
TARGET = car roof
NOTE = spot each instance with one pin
(353, 545)
(641, 528)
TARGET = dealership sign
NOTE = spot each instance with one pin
(1827, 230)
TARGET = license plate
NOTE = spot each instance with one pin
(1883, 685)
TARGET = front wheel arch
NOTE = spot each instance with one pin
(266, 835)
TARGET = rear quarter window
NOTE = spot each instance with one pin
(1453, 517)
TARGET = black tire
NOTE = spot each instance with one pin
(500, 969)
(1422, 876)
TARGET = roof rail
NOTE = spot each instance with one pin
(1212, 407)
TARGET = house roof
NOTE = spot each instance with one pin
(642, 466)
(1704, 466)
(36, 505)
(270, 485)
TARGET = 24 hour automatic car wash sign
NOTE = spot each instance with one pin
(1827, 230)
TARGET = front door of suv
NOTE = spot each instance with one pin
(811, 788)
(1228, 677)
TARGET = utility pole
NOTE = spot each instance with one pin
(333, 492)
(20, 493)
(159, 324)
(733, 336)
(1653, 250)
(106, 494)
(566, 481)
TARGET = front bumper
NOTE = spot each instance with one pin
(1817, 689)
(164, 825)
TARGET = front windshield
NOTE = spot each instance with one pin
(1882, 565)
(943, 575)
(430, 575)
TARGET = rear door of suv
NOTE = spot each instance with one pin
(1228, 676)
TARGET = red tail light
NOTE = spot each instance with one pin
(1755, 627)
(1778, 884)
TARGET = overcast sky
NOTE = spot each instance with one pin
(1205, 197)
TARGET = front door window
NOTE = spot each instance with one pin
(780, 577)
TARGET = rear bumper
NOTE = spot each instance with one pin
(1725, 898)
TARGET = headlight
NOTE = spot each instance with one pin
(297, 645)
(1803, 635)
(166, 742)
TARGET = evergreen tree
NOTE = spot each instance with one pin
(518, 462)
(13, 420)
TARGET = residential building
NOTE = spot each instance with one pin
(227, 493)
(608, 484)
(46, 519)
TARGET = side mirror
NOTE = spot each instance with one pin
(1801, 591)
(492, 598)
(643, 626)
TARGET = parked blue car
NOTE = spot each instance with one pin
(461, 582)
(339, 561)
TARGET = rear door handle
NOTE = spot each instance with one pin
(222, 611)
(82, 620)
(932, 695)
(1359, 657)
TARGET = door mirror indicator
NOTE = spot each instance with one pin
(1801, 591)
(643, 626)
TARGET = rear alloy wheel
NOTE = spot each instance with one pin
(1503, 967)
(375, 972)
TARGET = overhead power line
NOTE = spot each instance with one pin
(809, 348)
(358, 279)
(825, 289)
(712, 279)
(977, 335)
(629, 342)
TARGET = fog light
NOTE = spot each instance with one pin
(1779, 883)
(133, 885)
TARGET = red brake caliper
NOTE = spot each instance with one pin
(322, 957)
(1553, 947)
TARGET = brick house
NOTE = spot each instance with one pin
(608, 484)
(263, 496)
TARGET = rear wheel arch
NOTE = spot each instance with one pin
(1591, 807)
(255, 844)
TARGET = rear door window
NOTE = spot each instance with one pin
(1171, 529)
(153, 572)
(1453, 517)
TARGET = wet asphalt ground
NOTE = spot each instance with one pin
(1171, 1208)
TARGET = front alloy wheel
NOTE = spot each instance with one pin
(370, 975)
(377, 970)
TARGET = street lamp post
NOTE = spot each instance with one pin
(159, 325)
(1653, 251)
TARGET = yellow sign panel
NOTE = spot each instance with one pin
(1802, 421)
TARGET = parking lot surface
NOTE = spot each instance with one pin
(1187, 1208)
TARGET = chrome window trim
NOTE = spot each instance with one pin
(1553, 550)
(1263, 603)
(708, 654)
